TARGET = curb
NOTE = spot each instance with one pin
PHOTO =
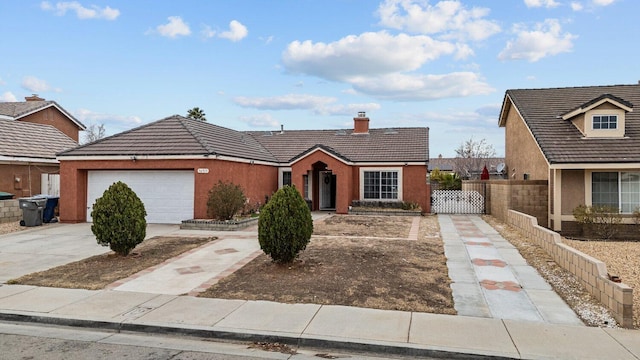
(378, 348)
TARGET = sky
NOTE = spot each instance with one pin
(302, 64)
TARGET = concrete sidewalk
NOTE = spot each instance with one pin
(309, 325)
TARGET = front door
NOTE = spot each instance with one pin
(327, 183)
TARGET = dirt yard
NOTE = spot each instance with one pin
(349, 262)
(9, 227)
(99, 271)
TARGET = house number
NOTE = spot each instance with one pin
(203, 171)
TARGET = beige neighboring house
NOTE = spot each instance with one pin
(585, 141)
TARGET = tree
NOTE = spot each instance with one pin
(285, 225)
(94, 132)
(119, 219)
(196, 113)
(471, 156)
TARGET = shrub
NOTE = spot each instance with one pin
(225, 200)
(602, 220)
(285, 225)
(406, 205)
(119, 219)
(450, 181)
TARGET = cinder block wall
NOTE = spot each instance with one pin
(592, 272)
(10, 210)
(526, 196)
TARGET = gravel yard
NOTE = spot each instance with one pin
(622, 259)
(10, 227)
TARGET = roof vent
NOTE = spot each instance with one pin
(362, 114)
(341, 132)
(267, 133)
(390, 131)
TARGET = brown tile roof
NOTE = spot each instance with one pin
(16, 110)
(23, 139)
(177, 135)
(560, 140)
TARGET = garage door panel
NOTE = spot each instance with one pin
(167, 195)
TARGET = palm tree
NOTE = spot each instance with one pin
(196, 113)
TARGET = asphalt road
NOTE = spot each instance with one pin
(34, 341)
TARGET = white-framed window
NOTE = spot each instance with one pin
(306, 185)
(284, 177)
(381, 184)
(617, 189)
(604, 122)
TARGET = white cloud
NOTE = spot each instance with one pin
(603, 2)
(423, 87)
(174, 28)
(236, 32)
(541, 3)
(449, 19)
(349, 109)
(207, 32)
(8, 96)
(284, 102)
(361, 55)
(576, 6)
(88, 116)
(261, 121)
(94, 12)
(545, 39)
(34, 84)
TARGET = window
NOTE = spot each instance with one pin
(605, 122)
(305, 186)
(381, 185)
(618, 189)
(286, 178)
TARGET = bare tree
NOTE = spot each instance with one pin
(471, 156)
(94, 132)
(196, 113)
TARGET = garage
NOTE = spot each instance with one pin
(167, 194)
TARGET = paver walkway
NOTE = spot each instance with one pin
(491, 278)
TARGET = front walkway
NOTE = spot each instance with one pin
(491, 278)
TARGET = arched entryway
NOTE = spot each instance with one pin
(325, 189)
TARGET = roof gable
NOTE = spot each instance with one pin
(26, 140)
(592, 104)
(18, 110)
(542, 111)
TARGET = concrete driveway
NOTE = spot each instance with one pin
(43, 247)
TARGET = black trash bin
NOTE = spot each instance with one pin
(32, 209)
(48, 214)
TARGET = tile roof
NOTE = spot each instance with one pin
(16, 110)
(560, 140)
(177, 135)
(448, 164)
(23, 139)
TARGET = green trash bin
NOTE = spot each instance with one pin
(32, 209)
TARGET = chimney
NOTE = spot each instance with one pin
(361, 123)
(281, 128)
(33, 97)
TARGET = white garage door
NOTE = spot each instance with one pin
(167, 195)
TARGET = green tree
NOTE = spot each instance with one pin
(285, 225)
(225, 200)
(196, 113)
(119, 219)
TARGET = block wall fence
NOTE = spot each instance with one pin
(592, 272)
(10, 211)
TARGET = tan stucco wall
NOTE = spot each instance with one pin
(572, 190)
(522, 154)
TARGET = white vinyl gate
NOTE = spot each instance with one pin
(457, 202)
(50, 184)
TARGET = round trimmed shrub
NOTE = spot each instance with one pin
(119, 219)
(285, 225)
(225, 200)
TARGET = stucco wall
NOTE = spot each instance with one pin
(572, 190)
(29, 175)
(51, 116)
(522, 153)
(257, 181)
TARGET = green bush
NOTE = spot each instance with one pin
(285, 225)
(600, 220)
(119, 219)
(225, 201)
(450, 181)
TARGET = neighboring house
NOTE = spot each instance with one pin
(174, 162)
(495, 166)
(27, 151)
(38, 111)
(585, 141)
